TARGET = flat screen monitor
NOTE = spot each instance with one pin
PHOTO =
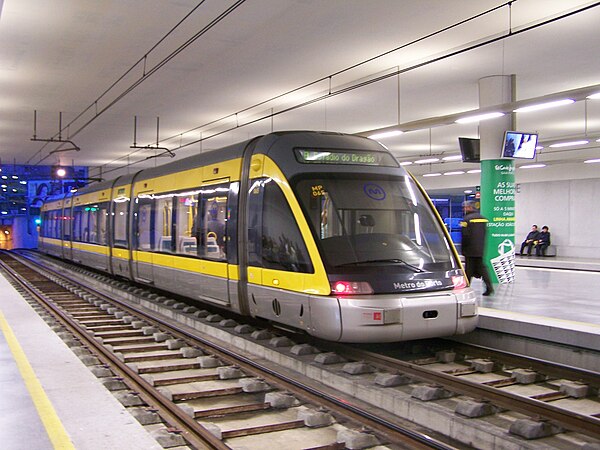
(519, 145)
(469, 149)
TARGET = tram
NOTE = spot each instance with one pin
(317, 231)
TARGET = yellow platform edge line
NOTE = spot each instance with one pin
(54, 427)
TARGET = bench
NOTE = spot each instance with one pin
(550, 251)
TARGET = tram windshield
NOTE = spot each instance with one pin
(364, 221)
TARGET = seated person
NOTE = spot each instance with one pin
(543, 242)
(529, 240)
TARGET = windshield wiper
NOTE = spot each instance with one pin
(390, 260)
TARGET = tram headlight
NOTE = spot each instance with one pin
(459, 281)
(351, 288)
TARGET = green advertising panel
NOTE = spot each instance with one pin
(498, 206)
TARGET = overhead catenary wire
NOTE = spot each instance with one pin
(509, 34)
(146, 73)
(328, 77)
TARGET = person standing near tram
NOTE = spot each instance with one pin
(474, 230)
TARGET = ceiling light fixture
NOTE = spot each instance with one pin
(532, 166)
(474, 171)
(385, 134)
(434, 174)
(569, 144)
(406, 163)
(595, 96)
(589, 161)
(452, 158)
(566, 101)
(480, 117)
(468, 191)
(456, 172)
(427, 161)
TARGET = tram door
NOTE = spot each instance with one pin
(67, 250)
(145, 235)
(212, 234)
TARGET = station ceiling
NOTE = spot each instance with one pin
(180, 76)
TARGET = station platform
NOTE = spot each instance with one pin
(560, 288)
(554, 300)
(48, 398)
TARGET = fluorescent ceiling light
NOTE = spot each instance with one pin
(435, 174)
(539, 147)
(566, 101)
(480, 117)
(427, 161)
(456, 172)
(406, 163)
(595, 96)
(588, 161)
(474, 171)
(452, 158)
(597, 140)
(569, 144)
(385, 134)
(532, 166)
(468, 191)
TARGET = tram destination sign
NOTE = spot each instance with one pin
(348, 157)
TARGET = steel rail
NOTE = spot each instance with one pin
(539, 365)
(392, 431)
(195, 434)
(588, 425)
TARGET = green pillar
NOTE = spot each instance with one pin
(498, 206)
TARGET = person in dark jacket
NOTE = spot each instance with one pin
(529, 241)
(474, 228)
(543, 242)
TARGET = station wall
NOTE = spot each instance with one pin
(569, 208)
(565, 197)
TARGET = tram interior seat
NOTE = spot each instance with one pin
(164, 244)
(367, 221)
(187, 245)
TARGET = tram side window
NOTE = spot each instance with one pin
(187, 227)
(58, 224)
(102, 222)
(96, 214)
(67, 220)
(90, 232)
(255, 208)
(46, 224)
(213, 222)
(79, 217)
(232, 222)
(163, 225)
(52, 222)
(145, 230)
(120, 224)
(282, 245)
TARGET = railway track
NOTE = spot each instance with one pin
(207, 395)
(478, 397)
(553, 398)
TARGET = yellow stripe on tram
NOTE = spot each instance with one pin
(54, 427)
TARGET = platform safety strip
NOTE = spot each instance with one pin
(54, 427)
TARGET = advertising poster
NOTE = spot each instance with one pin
(498, 206)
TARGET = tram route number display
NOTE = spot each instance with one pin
(345, 157)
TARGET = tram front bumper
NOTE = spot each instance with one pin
(393, 317)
